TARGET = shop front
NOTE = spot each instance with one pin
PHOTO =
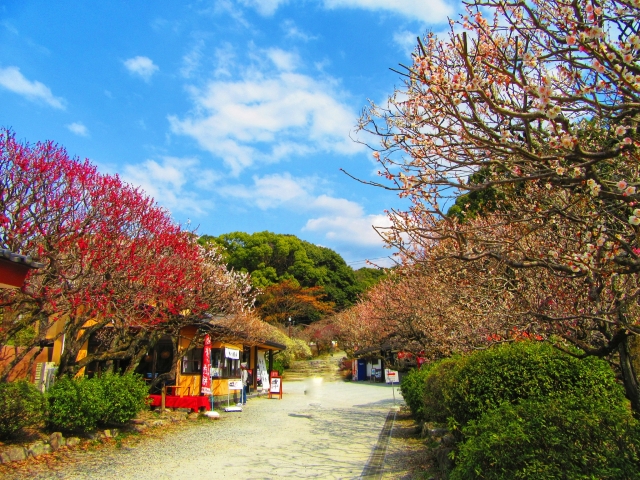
(223, 360)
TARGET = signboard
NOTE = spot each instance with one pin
(391, 376)
(275, 387)
(235, 385)
(276, 384)
(232, 353)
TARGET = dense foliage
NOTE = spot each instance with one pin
(123, 397)
(21, 405)
(297, 348)
(521, 370)
(112, 258)
(83, 404)
(288, 301)
(566, 436)
(528, 410)
(412, 386)
(298, 279)
(525, 115)
(75, 405)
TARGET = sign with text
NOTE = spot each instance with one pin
(391, 376)
(232, 353)
(235, 385)
(275, 387)
(276, 384)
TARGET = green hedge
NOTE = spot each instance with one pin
(124, 396)
(412, 387)
(576, 437)
(74, 405)
(21, 405)
(441, 377)
(522, 370)
(83, 404)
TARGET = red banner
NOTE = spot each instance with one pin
(206, 366)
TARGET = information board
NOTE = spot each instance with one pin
(391, 376)
(235, 384)
(275, 387)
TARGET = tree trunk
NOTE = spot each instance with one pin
(629, 378)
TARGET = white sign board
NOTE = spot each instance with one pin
(232, 353)
(235, 385)
(275, 385)
(391, 376)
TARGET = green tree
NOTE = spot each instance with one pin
(272, 258)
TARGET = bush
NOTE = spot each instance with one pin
(518, 371)
(123, 397)
(21, 405)
(412, 387)
(440, 375)
(297, 349)
(83, 404)
(75, 405)
(564, 437)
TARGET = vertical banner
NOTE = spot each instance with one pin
(206, 366)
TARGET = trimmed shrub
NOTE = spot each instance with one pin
(123, 397)
(573, 437)
(412, 387)
(75, 405)
(440, 376)
(83, 404)
(21, 405)
(518, 371)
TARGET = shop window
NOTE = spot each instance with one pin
(225, 363)
(192, 361)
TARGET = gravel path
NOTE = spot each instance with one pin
(319, 429)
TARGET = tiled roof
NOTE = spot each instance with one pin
(22, 259)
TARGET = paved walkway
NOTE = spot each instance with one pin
(319, 429)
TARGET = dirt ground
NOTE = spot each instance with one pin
(408, 456)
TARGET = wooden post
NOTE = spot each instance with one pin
(163, 398)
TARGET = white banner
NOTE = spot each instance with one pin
(232, 353)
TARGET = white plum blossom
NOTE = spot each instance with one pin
(621, 130)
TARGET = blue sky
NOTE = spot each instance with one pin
(235, 115)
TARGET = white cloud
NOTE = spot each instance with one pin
(170, 182)
(264, 7)
(273, 191)
(349, 228)
(292, 31)
(142, 66)
(270, 113)
(337, 219)
(285, 61)
(406, 40)
(191, 60)
(337, 206)
(78, 128)
(14, 81)
(429, 11)
(225, 56)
